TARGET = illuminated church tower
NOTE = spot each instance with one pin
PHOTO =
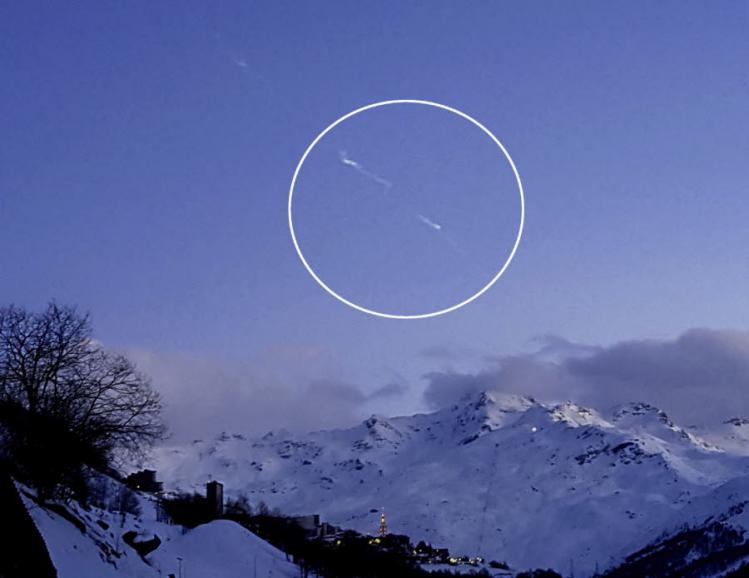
(383, 526)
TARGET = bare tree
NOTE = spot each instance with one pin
(52, 368)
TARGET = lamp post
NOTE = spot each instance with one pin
(179, 565)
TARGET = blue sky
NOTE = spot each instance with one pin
(147, 153)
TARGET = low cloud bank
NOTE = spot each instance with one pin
(296, 390)
(700, 377)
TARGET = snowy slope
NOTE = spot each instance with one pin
(504, 477)
(709, 537)
(89, 544)
(732, 435)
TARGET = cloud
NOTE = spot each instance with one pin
(555, 347)
(393, 389)
(701, 376)
(524, 375)
(205, 395)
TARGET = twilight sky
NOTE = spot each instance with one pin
(147, 153)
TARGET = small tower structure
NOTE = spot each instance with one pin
(383, 531)
(214, 493)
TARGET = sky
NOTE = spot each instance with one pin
(148, 150)
(428, 237)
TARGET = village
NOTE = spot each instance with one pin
(193, 509)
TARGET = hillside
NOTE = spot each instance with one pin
(709, 537)
(504, 477)
(93, 543)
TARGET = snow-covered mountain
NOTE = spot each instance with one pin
(504, 477)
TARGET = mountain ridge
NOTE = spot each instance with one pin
(493, 475)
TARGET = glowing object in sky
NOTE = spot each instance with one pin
(386, 185)
(347, 161)
(360, 169)
(429, 223)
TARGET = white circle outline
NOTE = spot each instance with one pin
(373, 312)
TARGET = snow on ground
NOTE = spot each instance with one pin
(220, 549)
(223, 549)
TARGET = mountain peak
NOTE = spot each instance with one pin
(375, 419)
(484, 412)
(379, 430)
(576, 415)
(641, 417)
(636, 409)
(499, 400)
(737, 421)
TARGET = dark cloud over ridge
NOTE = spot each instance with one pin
(702, 376)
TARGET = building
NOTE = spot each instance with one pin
(313, 528)
(214, 493)
(328, 530)
(144, 481)
(310, 524)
